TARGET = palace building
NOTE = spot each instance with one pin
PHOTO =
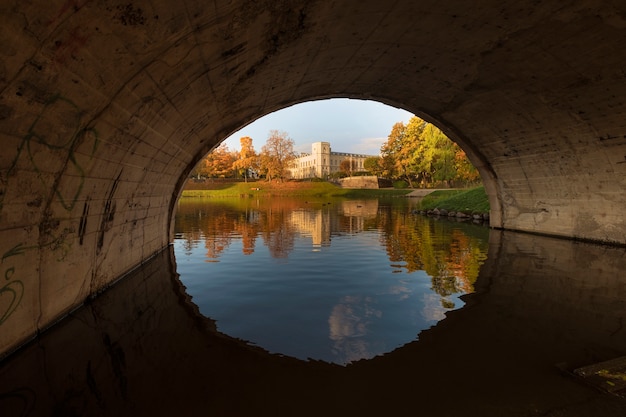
(322, 162)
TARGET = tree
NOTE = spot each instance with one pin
(438, 156)
(399, 153)
(348, 166)
(277, 155)
(217, 163)
(466, 172)
(390, 151)
(373, 165)
(247, 159)
(420, 151)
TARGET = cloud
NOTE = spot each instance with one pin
(368, 146)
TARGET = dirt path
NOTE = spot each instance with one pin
(420, 193)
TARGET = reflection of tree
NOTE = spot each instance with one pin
(218, 238)
(451, 257)
(218, 223)
(277, 232)
(248, 235)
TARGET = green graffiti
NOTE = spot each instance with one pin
(15, 250)
(14, 289)
(63, 114)
(39, 135)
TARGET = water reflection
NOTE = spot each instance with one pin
(349, 322)
(338, 281)
(142, 349)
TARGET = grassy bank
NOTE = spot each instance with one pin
(468, 201)
(292, 189)
(474, 200)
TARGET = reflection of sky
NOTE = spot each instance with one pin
(334, 305)
(339, 303)
(352, 320)
(348, 324)
(433, 310)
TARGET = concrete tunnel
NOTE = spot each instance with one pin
(106, 106)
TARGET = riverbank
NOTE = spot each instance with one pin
(468, 201)
(471, 202)
(287, 188)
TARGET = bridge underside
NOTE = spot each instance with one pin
(106, 106)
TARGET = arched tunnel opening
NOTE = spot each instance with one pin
(487, 177)
(253, 252)
(105, 107)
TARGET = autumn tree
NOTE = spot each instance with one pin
(400, 152)
(421, 152)
(348, 166)
(465, 170)
(390, 151)
(217, 163)
(277, 155)
(247, 160)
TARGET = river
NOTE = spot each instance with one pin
(485, 322)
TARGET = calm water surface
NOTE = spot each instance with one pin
(541, 308)
(336, 281)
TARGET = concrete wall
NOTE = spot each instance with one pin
(366, 181)
(105, 107)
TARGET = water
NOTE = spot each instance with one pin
(337, 281)
(540, 308)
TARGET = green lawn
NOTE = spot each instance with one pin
(468, 201)
(291, 188)
(474, 200)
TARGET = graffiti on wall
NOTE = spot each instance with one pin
(12, 291)
(50, 150)
(58, 129)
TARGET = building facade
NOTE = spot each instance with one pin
(322, 162)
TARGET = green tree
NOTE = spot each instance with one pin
(277, 155)
(374, 165)
(421, 152)
(438, 155)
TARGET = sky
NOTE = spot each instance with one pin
(349, 125)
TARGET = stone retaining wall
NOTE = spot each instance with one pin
(370, 182)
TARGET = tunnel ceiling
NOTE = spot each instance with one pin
(105, 106)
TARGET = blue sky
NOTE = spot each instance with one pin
(356, 126)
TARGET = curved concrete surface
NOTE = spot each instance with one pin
(106, 106)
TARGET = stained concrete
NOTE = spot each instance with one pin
(106, 106)
(368, 181)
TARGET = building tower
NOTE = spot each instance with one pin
(321, 158)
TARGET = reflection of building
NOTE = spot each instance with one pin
(320, 224)
(322, 162)
(360, 208)
(315, 223)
